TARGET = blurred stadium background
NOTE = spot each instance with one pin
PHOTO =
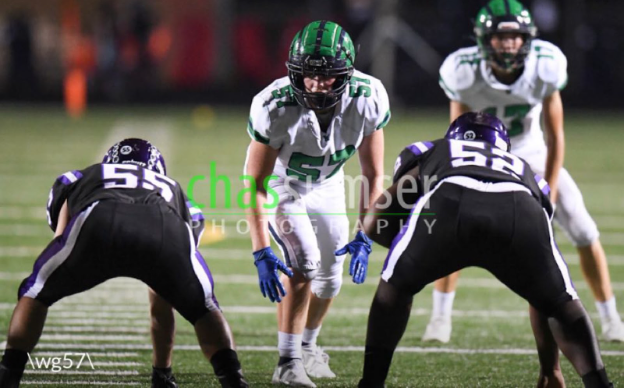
(76, 76)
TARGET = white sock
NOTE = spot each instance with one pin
(289, 345)
(442, 303)
(607, 309)
(310, 335)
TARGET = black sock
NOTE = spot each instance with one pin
(225, 361)
(377, 362)
(163, 371)
(284, 360)
(596, 379)
(14, 360)
(227, 368)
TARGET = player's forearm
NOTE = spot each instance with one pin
(554, 163)
(370, 190)
(258, 221)
(63, 219)
(553, 124)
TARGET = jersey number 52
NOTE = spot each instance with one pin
(470, 153)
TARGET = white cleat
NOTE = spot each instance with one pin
(292, 374)
(316, 362)
(438, 329)
(613, 330)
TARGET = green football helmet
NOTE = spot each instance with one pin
(500, 16)
(320, 48)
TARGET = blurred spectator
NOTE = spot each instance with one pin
(22, 82)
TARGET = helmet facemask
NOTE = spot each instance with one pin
(506, 62)
(318, 100)
(331, 54)
(500, 17)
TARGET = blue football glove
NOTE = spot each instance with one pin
(268, 264)
(359, 248)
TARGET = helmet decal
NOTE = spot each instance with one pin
(479, 126)
(136, 151)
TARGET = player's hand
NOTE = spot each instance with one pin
(268, 279)
(359, 248)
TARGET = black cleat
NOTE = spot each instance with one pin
(236, 380)
(8, 379)
(163, 380)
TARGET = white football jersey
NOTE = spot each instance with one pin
(465, 77)
(305, 152)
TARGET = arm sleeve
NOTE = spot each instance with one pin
(195, 219)
(409, 158)
(544, 190)
(61, 188)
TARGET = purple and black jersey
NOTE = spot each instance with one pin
(125, 183)
(478, 206)
(444, 158)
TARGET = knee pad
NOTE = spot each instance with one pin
(310, 274)
(327, 287)
(580, 228)
(572, 215)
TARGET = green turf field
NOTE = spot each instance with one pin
(492, 344)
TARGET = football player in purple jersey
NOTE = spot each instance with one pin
(485, 207)
(125, 217)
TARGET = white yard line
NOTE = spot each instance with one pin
(26, 230)
(612, 238)
(82, 373)
(80, 383)
(91, 338)
(95, 329)
(25, 212)
(21, 252)
(111, 321)
(101, 322)
(403, 349)
(91, 354)
(13, 276)
(96, 314)
(116, 363)
(138, 307)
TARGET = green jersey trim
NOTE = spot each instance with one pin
(255, 134)
(445, 86)
(385, 120)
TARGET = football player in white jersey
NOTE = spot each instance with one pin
(304, 127)
(518, 78)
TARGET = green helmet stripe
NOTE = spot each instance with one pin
(293, 47)
(488, 9)
(320, 32)
(507, 7)
(339, 49)
(305, 35)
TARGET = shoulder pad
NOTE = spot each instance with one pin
(551, 64)
(266, 109)
(377, 104)
(459, 71)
